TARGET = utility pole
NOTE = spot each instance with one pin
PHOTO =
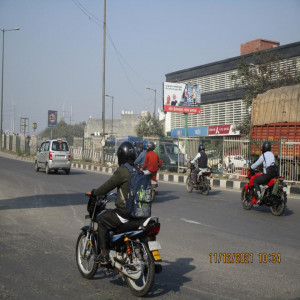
(1, 122)
(103, 72)
(154, 90)
(103, 83)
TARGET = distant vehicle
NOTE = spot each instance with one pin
(169, 154)
(53, 155)
(235, 162)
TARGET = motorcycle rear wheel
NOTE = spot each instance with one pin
(153, 193)
(277, 210)
(246, 199)
(142, 286)
(206, 188)
(85, 263)
(189, 186)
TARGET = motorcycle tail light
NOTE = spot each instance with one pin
(154, 229)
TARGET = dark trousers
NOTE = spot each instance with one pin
(195, 174)
(107, 220)
(262, 179)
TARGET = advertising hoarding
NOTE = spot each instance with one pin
(52, 118)
(182, 98)
(221, 130)
(24, 125)
(217, 130)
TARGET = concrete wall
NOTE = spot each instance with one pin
(17, 143)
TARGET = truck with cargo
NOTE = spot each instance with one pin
(275, 116)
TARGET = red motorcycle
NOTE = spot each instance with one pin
(273, 194)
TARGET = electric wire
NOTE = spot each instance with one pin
(120, 57)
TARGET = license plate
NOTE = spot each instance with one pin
(60, 156)
(154, 245)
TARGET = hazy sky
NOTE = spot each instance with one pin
(55, 60)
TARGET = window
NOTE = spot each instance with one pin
(59, 146)
(161, 149)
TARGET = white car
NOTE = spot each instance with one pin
(53, 155)
(236, 161)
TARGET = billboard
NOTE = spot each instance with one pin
(221, 130)
(24, 125)
(52, 118)
(182, 98)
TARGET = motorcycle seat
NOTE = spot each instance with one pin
(130, 225)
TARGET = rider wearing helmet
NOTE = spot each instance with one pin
(139, 162)
(267, 159)
(111, 219)
(201, 157)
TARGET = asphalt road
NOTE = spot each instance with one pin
(41, 216)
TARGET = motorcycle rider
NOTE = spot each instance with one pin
(267, 159)
(201, 157)
(111, 219)
(152, 161)
(140, 160)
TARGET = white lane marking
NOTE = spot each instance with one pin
(195, 222)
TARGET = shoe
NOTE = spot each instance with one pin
(258, 197)
(101, 259)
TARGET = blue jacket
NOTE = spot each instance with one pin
(140, 160)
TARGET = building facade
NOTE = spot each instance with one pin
(222, 106)
(119, 127)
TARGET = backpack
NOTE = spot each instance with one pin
(272, 170)
(139, 203)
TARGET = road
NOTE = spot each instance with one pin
(41, 216)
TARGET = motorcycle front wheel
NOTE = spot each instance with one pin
(189, 186)
(142, 285)
(85, 257)
(278, 209)
(246, 199)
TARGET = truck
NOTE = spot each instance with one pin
(275, 116)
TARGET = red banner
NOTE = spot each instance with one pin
(222, 130)
(182, 109)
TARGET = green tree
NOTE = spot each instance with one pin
(63, 130)
(149, 126)
(266, 71)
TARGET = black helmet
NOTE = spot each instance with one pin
(266, 147)
(150, 146)
(126, 153)
(201, 148)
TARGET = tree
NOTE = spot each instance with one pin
(149, 126)
(267, 71)
(63, 130)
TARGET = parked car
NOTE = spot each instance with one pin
(235, 162)
(53, 155)
(169, 154)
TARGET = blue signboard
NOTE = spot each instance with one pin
(194, 131)
(198, 131)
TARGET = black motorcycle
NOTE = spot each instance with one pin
(203, 182)
(133, 249)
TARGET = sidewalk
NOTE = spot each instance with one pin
(216, 181)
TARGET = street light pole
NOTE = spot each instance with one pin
(148, 88)
(1, 123)
(112, 113)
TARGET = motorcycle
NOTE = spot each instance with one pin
(203, 182)
(133, 249)
(273, 194)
